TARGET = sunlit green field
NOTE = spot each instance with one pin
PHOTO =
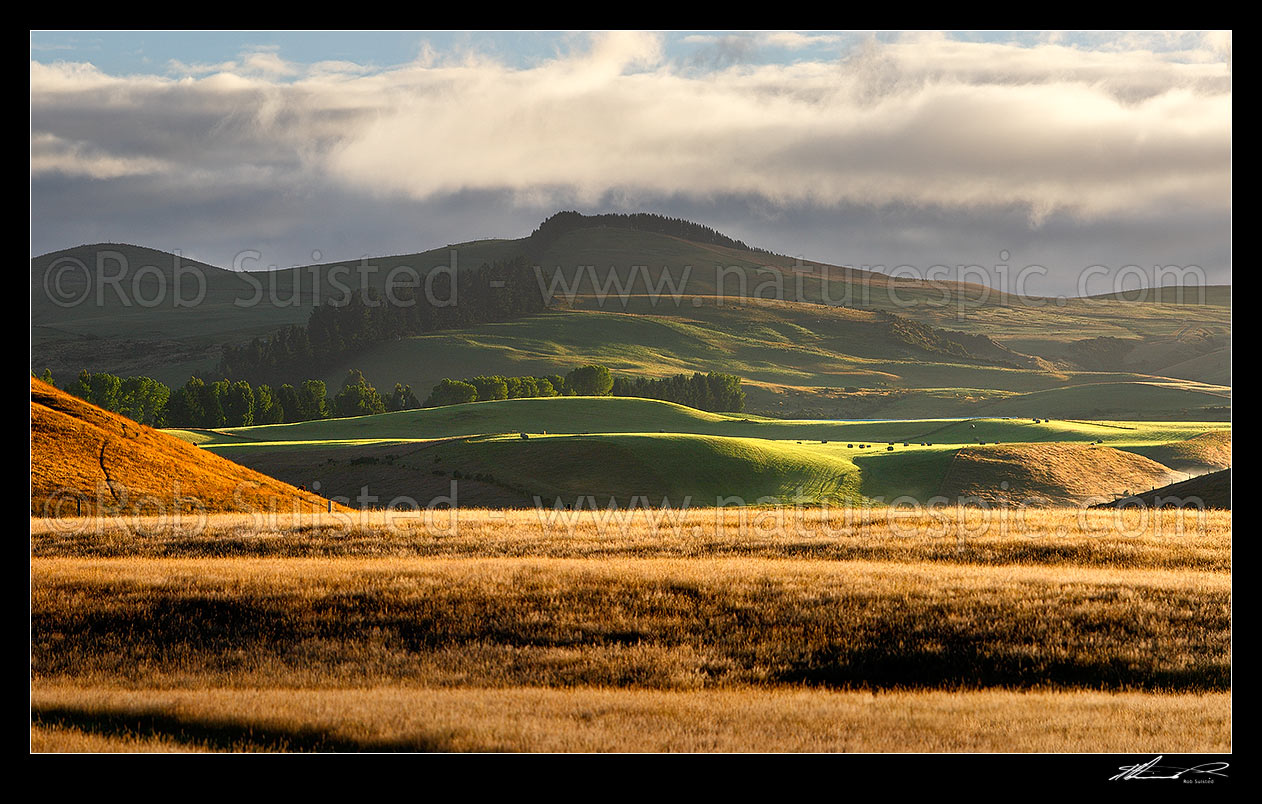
(575, 415)
(775, 355)
(617, 449)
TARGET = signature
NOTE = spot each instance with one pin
(1151, 770)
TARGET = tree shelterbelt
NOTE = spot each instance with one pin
(357, 397)
(140, 398)
(713, 391)
(225, 403)
(236, 403)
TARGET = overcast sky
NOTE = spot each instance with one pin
(1063, 150)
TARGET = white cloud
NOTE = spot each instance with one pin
(267, 63)
(926, 120)
(793, 40)
(177, 66)
(1218, 43)
(51, 154)
(261, 61)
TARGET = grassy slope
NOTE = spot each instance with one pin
(1214, 367)
(578, 415)
(1116, 400)
(1219, 295)
(222, 313)
(1050, 474)
(82, 453)
(611, 448)
(807, 356)
(702, 469)
(1212, 490)
(578, 470)
(1203, 453)
(168, 341)
(775, 348)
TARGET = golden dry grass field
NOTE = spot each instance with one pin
(701, 630)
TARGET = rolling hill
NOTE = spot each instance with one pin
(1207, 452)
(829, 342)
(562, 471)
(798, 362)
(583, 415)
(1049, 474)
(1211, 490)
(85, 460)
(615, 450)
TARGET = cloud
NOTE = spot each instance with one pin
(1218, 43)
(260, 61)
(793, 40)
(51, 154)
(1128, 126)
(177, 66)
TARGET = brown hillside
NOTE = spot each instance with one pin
(1051, 474)
(1206, 452)
(109, 464)
(1207, 491)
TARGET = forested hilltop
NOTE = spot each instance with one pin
(569, 221)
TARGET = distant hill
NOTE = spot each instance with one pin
(659, 296)
(1119, 400)
(1207, 491)
(1219, 295)
(90, 461)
